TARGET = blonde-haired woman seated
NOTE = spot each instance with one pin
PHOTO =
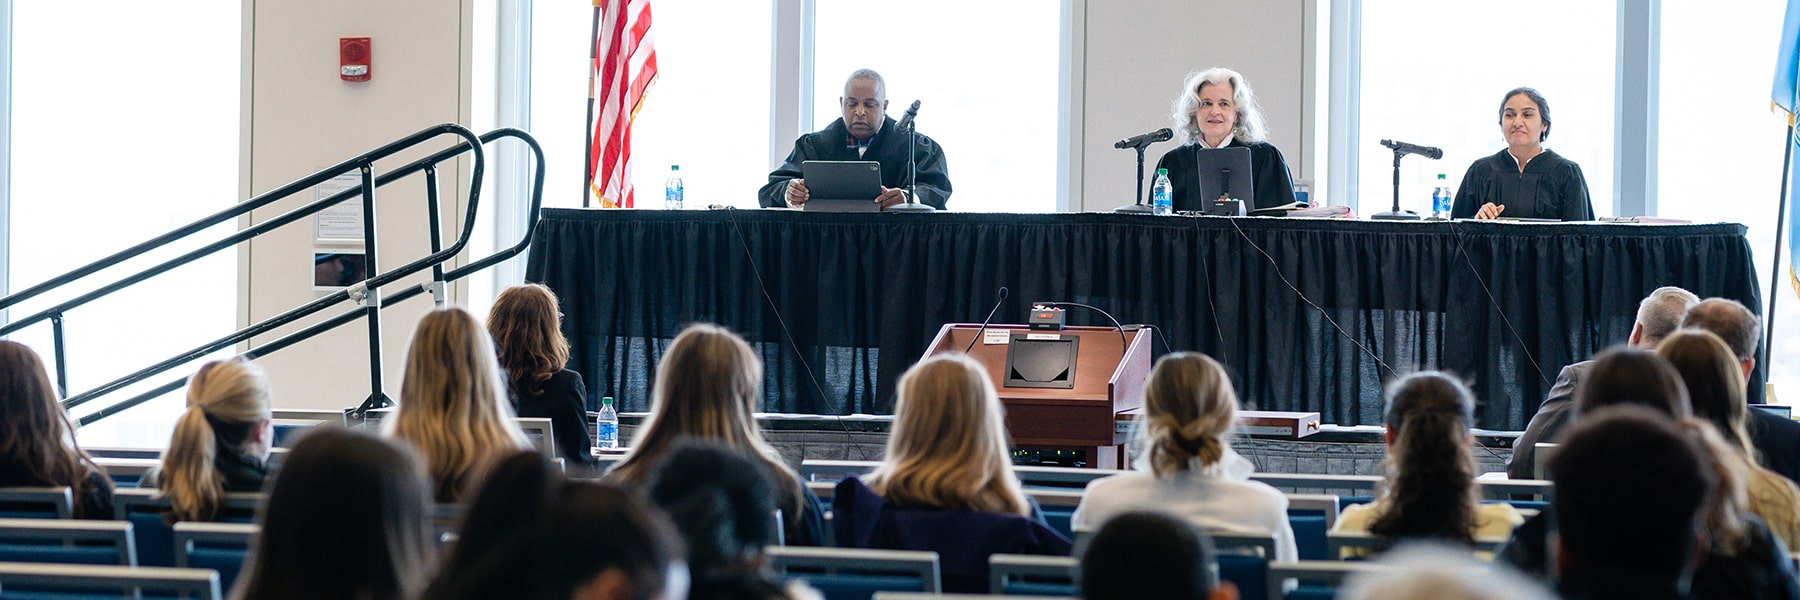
(1189, 410)
(708, 387)
(947, 482)
(453, 408)
(221, 444)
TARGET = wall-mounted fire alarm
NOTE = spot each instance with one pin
(354, 59)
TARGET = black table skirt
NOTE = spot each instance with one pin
(1504, 305)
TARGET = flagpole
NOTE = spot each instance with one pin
(587, 197)
(1780, 217)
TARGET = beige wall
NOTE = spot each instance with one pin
(299, 117)
(1138, 51)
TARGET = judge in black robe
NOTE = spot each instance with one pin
(1525, 180)
(864, 133)
(1274, 186)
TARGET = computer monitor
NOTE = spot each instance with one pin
(1224, 172)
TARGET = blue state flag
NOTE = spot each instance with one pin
(1784, 95)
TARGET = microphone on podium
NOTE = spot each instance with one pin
(990, 317)
(1404, 148)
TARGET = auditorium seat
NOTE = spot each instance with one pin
(221, 547)
(1311, 516)
(1364, 544)
(144, 509)
(1244, 559)
(36, 503)
(1031, 575)
(1318, 579)
(923, 596)
(857, 573)
(67, 541)
(30, 581)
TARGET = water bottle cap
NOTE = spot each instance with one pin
(1162, 171)
(674, 167)
(606, 400)
(1440, 176)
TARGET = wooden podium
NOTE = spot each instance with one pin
(1109, 379)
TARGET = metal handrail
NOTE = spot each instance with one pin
(366, 293)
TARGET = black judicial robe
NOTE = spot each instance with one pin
(1268, 171)
(1550, 188)
(887, 148)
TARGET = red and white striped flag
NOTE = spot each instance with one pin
(624, 69)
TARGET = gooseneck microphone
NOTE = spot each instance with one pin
(906, 120)
(1140, 140)
(1404, 148)
(990, 317)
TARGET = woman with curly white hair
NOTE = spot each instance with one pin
(1216, 109)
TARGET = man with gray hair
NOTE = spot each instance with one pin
(1658, 315)
(865, 133)
(1776, 438)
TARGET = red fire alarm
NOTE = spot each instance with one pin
(354, 59)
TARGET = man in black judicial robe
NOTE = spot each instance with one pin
(1268, 171)
(1551, 187)
(864, 133)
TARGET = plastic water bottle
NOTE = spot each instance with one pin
(1162, 193)
(1440, 199)
(606, 426)
(672, 189)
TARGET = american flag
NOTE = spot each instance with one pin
(624, 69)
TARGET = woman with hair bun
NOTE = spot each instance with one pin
(221, 444)
(1430, 490)
(1189, 409)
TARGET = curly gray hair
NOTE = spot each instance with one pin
(1249, 128)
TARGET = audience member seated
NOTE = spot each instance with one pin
(723, 503)
(1151, 556)
(1632, 491)
(533, 535)
(349, 516)
(1189, 410)
(708, 387)
(1776, 438)
(37, 441)
(947, 482)
(526, 324)
(1744, 559)
(1625, 375)
(453, 409)
(221, 444)
(1716, 388)
(1430, 488)
(1657, 316)
(1424, 570)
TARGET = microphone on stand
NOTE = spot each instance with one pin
(912, 163)
(1137, 141)
(1404, 148)
(990, 317)
(906, 120)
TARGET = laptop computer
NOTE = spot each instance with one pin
(1224, 172)
(842, 185)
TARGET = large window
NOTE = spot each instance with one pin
(986, 81)
(1428, 80)
(120, 132)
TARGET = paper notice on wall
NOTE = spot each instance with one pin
(342, 222)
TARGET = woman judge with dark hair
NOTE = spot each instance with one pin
(526, 324)
(1526, 179)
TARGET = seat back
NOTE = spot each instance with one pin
(1244, 559)
(1343, 544)
(222, 547)
(144, 509)
(538, 430)
(36, 503)
(1311, 516)
(923, 596)
(127, 471)
(67, 541)
(1031, 575)
(1318, 579)
(858, 573)
(89, 581)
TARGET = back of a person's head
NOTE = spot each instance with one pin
(1150, 556)
(723, 503)
(533, 535)
(1714, 382)
(36, 436)
(1189, 408)
(708, 386)
(1625, 375)
(1660, 313)
(526, 324)
(1430, 489)
(1730, 320)
(228, 406)
(347, 517)
(1631, 489)
(947, 448)
(1432, 571)
(453, 407)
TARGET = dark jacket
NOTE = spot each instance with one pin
(95, 503)
(962, 539)
(1268, 170)
(1546, 426)
(887, 148)
(563, 400)
(1777, 442)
